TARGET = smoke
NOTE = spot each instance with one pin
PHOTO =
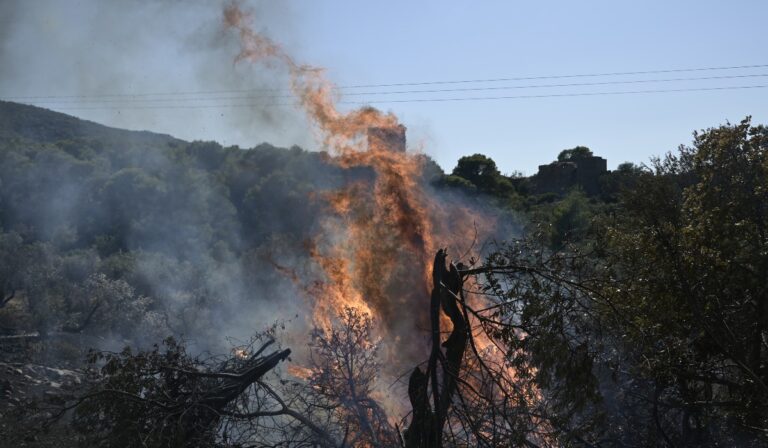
(373, 250)
(287, 236)
(91, 48)
(94, 50)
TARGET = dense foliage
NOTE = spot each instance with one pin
(649, 326)
(643, 310)
(154, 223)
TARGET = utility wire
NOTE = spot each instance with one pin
(557, 95)
(402, 92)
(421, 83)
(526, 78)
(427, 100)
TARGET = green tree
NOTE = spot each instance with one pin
(629, 168)
(577, 152)
(570, 219)
(478, 169)
(480, 172)
(624, 177)
(653, 330)
(689, 256)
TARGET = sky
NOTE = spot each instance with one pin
(76, 49)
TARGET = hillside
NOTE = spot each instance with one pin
(642, 305)
(21, 121)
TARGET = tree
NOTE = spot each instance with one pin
(478, 169)
(473, 392)
(624, 177)
(102, 305)
(570, 219)
(652, 330)
(629, 168)
(577, 152)
(480, 172)
(690, 256)
(345, 365)
(165, 397)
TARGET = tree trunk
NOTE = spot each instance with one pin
(427, 423)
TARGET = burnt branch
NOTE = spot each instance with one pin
(172, 399)
(427, 423)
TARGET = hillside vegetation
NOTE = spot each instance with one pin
(640, 313)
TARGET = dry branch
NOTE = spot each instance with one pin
(427, 423)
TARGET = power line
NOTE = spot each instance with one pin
(427, 100)
(402, 84)
(556, 95)
(401, 92)
(587, 75)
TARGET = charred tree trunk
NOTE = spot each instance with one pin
(428, 420)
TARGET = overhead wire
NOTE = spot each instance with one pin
(418, 91)
(427, 100)
(400, 84)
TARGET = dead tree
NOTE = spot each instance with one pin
(443, 368)
(169, 398)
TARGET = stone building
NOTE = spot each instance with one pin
(560, 176)
(387, 138)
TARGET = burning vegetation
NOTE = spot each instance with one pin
(632, 317)
(375, 256)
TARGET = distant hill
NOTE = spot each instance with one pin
(22, 121)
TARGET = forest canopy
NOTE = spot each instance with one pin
(640, 314)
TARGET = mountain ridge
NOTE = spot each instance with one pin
(38, 124)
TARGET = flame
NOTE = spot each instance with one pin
(385, 221)
(377, 242)
(299, 372)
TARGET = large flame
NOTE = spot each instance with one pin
(376, 246)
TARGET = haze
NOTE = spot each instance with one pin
(55, 48)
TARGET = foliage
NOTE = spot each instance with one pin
(345, 365)
(652, 329)
(166, 397)
(577, 152)
(570, 219)
(479, 174)
(640, 315)
(479, 170)
(130, 406)
(539, 306)
(690, 254)
(171, 222)
(625, 178)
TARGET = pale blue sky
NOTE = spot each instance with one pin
(363, 42)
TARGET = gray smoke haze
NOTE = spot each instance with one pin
(180, 262)
(75, 56)
(157, 230)
(93, 48)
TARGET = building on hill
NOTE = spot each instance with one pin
(560, 176)
(387, 138)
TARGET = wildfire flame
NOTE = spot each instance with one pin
(387, 222)
(240, 353)
(376, 246)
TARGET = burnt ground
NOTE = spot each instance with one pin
(33, 388)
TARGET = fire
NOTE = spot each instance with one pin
(299, 371)
(381, 227)
(377, 241)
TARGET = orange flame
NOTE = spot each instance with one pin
(376, 247)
